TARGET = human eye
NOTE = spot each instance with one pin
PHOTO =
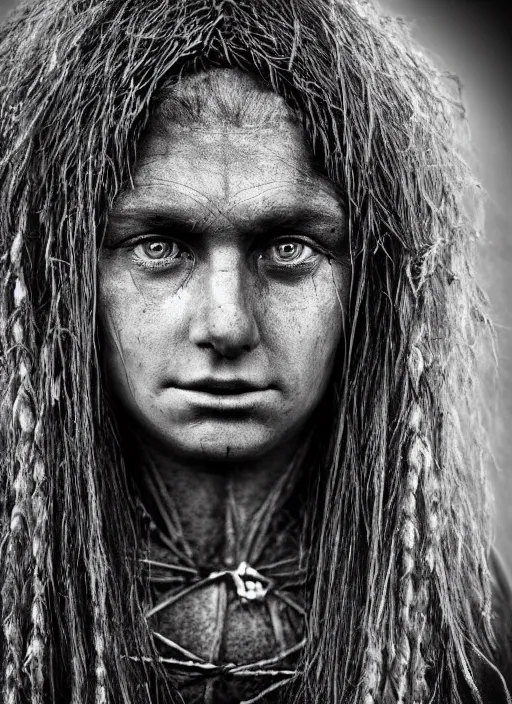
(288, 253)
(157, 252)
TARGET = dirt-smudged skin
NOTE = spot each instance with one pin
(228, 250)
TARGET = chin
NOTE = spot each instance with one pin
(221, 442)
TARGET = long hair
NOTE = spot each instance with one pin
(399, 599)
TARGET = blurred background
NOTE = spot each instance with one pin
(473, 38)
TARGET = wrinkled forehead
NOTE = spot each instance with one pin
(226, 115)
(219, 142)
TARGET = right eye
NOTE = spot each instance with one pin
(159, 253)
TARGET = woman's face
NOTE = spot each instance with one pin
(222, 283)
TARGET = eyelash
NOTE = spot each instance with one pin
(165, 262)
(315, 250)
(169, 262)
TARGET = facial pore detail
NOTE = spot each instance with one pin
(221, 279)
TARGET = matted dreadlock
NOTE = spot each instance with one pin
(400, 588)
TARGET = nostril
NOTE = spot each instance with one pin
(224, 348)
(226, 355)
(230, 349)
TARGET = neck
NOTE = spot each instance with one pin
(203, 495)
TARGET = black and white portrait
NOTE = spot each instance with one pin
(253, 361)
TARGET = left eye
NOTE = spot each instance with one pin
(154, 250)
(159, 253)
(288, 252)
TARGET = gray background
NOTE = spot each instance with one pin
(474, 39)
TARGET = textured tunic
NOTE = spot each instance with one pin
(231, 624)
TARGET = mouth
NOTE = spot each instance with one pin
(227, 397)
(223, 387)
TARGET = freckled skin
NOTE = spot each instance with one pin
(223, 310)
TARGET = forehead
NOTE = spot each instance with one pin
(205, 170)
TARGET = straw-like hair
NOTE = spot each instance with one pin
(399, 586)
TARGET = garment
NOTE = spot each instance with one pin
(195, 619)
(228, 621)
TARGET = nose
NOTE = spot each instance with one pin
(223, 319)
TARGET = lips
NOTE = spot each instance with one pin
(223, 387)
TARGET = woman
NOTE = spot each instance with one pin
(244, 451)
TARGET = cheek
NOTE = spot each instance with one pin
(307, 326)
(136, 327)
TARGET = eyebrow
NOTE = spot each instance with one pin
(288, 219)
